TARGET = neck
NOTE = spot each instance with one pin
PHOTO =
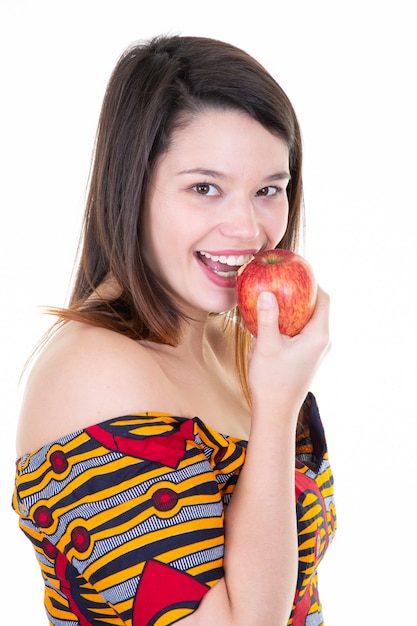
(194, 343)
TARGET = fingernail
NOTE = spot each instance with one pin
(266, 300)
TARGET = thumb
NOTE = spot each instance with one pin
(267, 311)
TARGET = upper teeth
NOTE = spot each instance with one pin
(231, 259)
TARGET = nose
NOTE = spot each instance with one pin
(240, 221)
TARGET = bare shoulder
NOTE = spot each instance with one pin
(83, 376)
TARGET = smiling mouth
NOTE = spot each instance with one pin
(225, 266)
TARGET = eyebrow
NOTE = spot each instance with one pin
(216, 174)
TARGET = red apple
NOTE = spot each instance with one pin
(290, 277)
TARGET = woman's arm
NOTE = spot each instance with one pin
(261, 552)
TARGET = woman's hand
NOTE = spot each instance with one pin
(281, 368)
(261, 549)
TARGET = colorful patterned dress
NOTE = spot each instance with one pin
(127, 517)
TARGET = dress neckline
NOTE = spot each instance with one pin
(132, 417)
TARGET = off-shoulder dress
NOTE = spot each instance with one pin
(127, 517)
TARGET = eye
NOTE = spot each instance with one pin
(268, 191)
(206, 189)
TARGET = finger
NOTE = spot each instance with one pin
(267, 313)
(321, 311)
(319, 322)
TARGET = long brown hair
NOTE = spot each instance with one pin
(153, 88)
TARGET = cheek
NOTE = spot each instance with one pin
(278, 227)
(162, 244)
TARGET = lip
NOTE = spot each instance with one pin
(220, 281)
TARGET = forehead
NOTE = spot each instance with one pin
(208, 116)
(225, 134)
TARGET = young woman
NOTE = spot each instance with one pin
(159, 447)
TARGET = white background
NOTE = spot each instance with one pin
(350, 70)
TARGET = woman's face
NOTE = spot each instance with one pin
(217, 196)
